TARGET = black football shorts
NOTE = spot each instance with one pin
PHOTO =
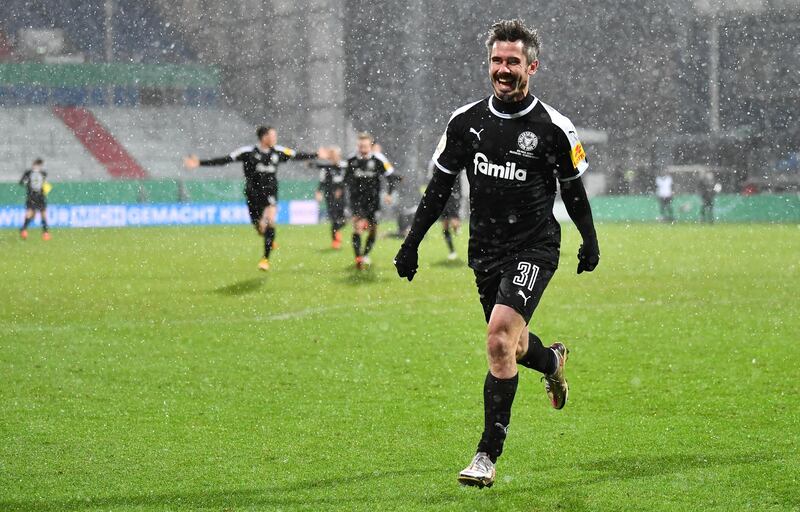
(36, 201)
(518, 284)
(365, 205)
(258, 200)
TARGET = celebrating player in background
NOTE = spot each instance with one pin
(36, 187)
(364, 170)
(331, 187)
(514, 148)
(451, 216)
(260, 164)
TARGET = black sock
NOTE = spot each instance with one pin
(333, 231)
(269, 238)
(498, 395)
(337, 224)
(44, 224)
(538, 357)
(370, 243)
(448, 238)
(357, 244)
(25, 224)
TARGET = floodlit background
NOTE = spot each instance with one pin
(687, 86)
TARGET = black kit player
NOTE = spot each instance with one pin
(36, 186)
(514, 148)
(451, 215)
(363, 176)
(260, 164)
(332, 188)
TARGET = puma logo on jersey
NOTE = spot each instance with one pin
(477, 134)
(508, 171)
(524, 304)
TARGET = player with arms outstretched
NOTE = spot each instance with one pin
(514, 148)
(260, 164)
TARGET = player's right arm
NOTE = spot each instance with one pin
(25, 179)
(193, 162)
(450, 157)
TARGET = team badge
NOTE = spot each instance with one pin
(527, 141)
(371, 165)
(274, 158)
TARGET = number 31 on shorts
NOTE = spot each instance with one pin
(527, 275)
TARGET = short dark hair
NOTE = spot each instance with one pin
(38, 161)
(263, 130)
(515, 30)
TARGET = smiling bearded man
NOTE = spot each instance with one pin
(514, 148)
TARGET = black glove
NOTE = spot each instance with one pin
(406, 261)
(588, 257)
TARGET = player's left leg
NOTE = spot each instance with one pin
(522, 292)
(358, 228)
(336, 213)
(670, 211)
(45, 228)
(266, 226)
(372, 235)
(448, 239)
(268, 221)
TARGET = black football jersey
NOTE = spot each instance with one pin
(33, 181)
(260, 165)
(332, 176)
(364, 173)
(513, 153)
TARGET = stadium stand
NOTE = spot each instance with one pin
(101, 143)
(140, 34)
(157, 137)
(6, 50)
(30, 132)
(107, 142)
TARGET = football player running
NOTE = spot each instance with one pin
(515, 149)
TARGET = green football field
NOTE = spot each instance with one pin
(156, 369)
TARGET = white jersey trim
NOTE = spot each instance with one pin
(243, 149)
(443, 168)
(463, 109)
(525, 111)
(567, 127)
(560, 120)
(581, 169)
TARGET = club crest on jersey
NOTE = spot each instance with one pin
(371, 165)
(508, 171)
(527, 141)
(274, 158)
